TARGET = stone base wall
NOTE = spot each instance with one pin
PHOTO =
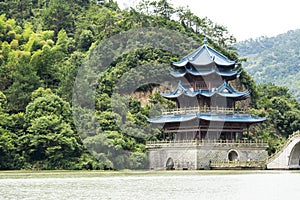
(199, 157)
(182, 158)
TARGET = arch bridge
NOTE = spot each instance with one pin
(289, 155)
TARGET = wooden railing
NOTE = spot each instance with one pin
(190, 110)
(172, 143)
(236, 164)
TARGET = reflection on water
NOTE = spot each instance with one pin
(151, 185)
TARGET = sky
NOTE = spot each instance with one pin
(244, 19)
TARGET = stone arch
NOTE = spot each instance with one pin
(294, 158)
(232, 155)
(170, 164)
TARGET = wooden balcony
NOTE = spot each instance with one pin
(191, 110)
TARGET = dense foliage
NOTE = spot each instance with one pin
(43, 45)
(275, 59)
(283, 115)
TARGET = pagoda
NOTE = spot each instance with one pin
(208, 129)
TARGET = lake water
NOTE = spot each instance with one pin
(173, 185)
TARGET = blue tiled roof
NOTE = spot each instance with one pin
(231, 118)
(193, 71)
(246, 118)
(204, 55)
(173, 118)
(225, 90)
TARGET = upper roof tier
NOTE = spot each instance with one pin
(205, 55)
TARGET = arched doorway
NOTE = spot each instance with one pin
(294, 160)
(170, 164)
(233, 155)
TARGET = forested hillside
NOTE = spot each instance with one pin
(43, 46)
(275, 59)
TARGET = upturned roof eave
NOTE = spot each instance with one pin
(210, 55)
(184, 71)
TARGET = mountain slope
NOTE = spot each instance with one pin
(275, 59)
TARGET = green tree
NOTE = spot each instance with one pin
(25, 81)
(280, 107)
(55, 12)
(163, 8)
(46, 61)
(9, 156)
(68, 71)
(9, 159)
(85, 40)
(52, 142)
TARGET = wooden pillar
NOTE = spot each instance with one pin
(234, 105)
(248, 132)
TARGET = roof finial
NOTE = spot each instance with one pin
(205, 41)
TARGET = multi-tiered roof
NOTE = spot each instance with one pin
(205, 74)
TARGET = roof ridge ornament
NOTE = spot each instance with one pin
(205, 41)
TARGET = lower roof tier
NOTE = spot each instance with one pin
(242, 118)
